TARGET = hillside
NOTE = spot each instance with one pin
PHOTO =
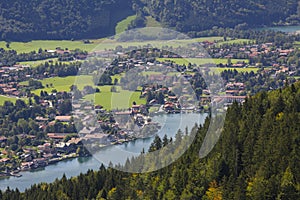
(82, 19)
(257, 157)
(197, 15)
(61, 19)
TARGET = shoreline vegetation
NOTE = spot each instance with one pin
(45, 163)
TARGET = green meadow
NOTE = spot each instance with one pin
(122, 99)
(248, 69)
(36, 63)
(63, 83)
(25, 47)
(100, 44)
(201, 61)
(109, 100)
(235, 41)
(123, 25)
(5, 98)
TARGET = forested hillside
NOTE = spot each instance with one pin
(60, 19)
(257, 157)
(82, 19)
(197, 15)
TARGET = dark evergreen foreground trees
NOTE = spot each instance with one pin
(257, 157)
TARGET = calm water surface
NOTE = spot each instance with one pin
(73, 167)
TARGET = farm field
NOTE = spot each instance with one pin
(36, 63)
(122, 99)
(4, 98)
(235, 41)
(25, 47)
(62, 83)
(201, 61)
(249, 69)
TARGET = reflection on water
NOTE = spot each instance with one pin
(73, 167)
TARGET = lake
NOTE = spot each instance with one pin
(73, 167)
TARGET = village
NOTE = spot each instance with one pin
(55, 137)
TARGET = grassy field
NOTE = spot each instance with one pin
(36, 63)
(24, 47)
(122, 25)
(249, 69)
(5, 98)
(201, 61)
(122, 99)
(63, 83)
(100, 44)
(151, 22)
(235, 41)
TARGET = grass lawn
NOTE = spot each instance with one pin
(122, 99)
(11, 99)
(201, 61)
(5, 98)
(122, 25)
(111, 44)
(37, 62)
(99, 44)
(248, 69)
(63, 83)
(236, 41)
(25, 47)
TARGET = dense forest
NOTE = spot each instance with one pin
(198, 15)
(60, 19)
(79, 19)
(257, 157)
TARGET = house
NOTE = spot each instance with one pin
(41, 119)
(57, 136)
(4, 160)
(3, 139)
(89, 130)
(26, 165)
(63, 118)
(100, 137)
(172, 99)
(136, 108)
(232, 92)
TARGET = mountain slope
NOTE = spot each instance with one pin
(197, 15)
(61, 19)
(257, 157)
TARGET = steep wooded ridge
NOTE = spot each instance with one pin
(197, 15)
(257, 157)
(60, 19)
(83, 19)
